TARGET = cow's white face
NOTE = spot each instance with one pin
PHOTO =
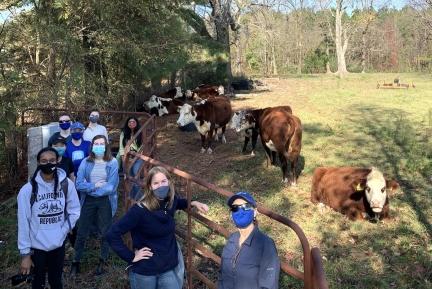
(221, 90)
(155, 102)
(188, 93)
(240, 122)
(152, 102)
(186, 115)
(178, 92)
(376, 191)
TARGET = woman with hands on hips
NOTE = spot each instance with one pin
(153, 263)
(97, 180)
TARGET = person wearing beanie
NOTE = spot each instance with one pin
(48, 208)
(97, 181)
(64, 124)
(77, 148)
(249, 258)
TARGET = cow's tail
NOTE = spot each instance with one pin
(295, 141)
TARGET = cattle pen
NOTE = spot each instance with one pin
(313, 276)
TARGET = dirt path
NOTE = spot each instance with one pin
(182, 149)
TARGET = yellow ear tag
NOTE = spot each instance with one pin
(359, 187)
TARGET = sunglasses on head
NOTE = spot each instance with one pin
(64, 121)
(245, 207)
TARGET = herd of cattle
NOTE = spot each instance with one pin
(358, 193)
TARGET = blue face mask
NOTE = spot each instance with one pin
(98, 150)
(243, 218)
(77, 135)
(65, 125)
(94, 118)
(161, 192)
(60, 150)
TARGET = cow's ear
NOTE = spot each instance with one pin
(359, 185)
(392, 185)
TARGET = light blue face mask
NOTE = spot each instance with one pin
(98, 150)
(60, 150)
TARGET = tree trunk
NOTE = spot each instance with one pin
(328, 70)
(340, 34)
(221, 17)
(363, 57)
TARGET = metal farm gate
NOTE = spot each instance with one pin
(313, 276)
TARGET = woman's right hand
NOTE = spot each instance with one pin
(26, 264)
(141, 254)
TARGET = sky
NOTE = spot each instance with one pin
(398, 4)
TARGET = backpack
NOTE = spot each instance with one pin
(64, 186)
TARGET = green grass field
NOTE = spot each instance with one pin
(351, 122)
(346, 122)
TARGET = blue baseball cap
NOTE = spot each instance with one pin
(242, 195)
(76, 125)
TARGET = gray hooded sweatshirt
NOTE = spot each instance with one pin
(44, 225)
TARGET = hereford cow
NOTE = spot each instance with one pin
(281, 133)
(172, 93)
(248, 121)
(160, 106)
(207, 116)
(356, 192)
(205, 91)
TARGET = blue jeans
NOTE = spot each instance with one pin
(166, 280)
(136, 193)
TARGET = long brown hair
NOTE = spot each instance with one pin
(107, 156)
(149, 200)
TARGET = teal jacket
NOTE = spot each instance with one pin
(85, 187)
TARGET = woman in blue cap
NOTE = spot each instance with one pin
(249, 258)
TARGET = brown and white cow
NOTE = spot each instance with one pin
(172, 93)
(205, 91)
(207, 116)
(248, 121)
(160, 106)
(281, 133)
(356, 192)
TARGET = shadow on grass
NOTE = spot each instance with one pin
(399, 150)
(369, 261)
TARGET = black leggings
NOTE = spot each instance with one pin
(51, 261)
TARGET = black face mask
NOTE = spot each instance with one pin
(48, 168)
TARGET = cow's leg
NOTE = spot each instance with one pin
(273, 158)
(246, 141)
(284, 166)
(294, 161)
(268, 153)
(209, 139)
(223, 134)
(203, 140)
(254, 140)
(216, 136)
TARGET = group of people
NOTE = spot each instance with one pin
(73, 192)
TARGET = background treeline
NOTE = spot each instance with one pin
(80, 53)
(75, 53)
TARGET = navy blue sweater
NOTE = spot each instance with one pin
(152, 229)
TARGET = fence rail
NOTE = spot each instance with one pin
(313, 276)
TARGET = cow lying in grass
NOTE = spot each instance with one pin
(358, 193)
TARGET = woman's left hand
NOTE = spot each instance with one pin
(202, 208)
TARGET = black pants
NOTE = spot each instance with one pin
(94, 209)
(51, 261)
